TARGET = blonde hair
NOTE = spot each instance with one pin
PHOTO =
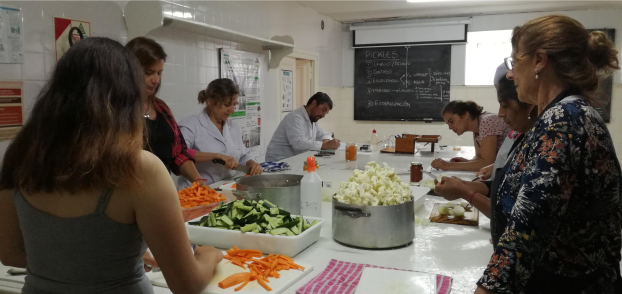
(579, 58)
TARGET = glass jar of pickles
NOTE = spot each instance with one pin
(351, 152)
(416, 173)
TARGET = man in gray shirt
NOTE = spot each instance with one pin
(299, 132)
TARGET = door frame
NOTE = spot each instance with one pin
(314, 57)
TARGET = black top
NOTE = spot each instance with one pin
(161, 138)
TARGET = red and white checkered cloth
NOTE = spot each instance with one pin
(342, 277)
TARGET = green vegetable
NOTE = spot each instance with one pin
(250, 227)
(289, 225)
(278, 231)
(254, 216)
(225, 219)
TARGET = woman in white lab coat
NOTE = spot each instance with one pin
(214, 137)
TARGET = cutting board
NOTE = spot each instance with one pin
(388, 150)
(471, 218)
(225, 269)
(377, 280)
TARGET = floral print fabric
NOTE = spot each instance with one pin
(561, 198)
(492, 125)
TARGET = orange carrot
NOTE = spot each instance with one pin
(261, 282)
(233, 280)
(245, 252)
(238, 263)
(261, 268)
(196, 195)
(242, 286)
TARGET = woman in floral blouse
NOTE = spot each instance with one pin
(561, 193)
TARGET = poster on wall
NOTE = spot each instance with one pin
(11, 109)
(68, 32)
(244, 69)
(287, 90)
(11, 38)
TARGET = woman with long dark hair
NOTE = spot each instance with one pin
(489, 132)
(165, 139)
(80, 199)
(520, 117)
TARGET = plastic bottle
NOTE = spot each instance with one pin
(311, 191)
(373, 141)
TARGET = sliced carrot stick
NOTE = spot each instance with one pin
(246, 252)
(261, 262)
(242, 286)
(233, 280)
(286, 258)
(261, 282)
(238, 263)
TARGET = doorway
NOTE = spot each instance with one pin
(297, 81)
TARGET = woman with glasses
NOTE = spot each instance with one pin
(561, 191)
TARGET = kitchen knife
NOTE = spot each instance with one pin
(243, 168)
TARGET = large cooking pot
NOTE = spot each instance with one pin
(282, 190)
(374, 227)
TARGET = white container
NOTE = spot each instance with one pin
(311, 191)
(266, 243)
(227, 191)
(373, 141)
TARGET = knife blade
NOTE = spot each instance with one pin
(243, 168)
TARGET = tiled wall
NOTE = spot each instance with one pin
(192, 58)
(341, 119)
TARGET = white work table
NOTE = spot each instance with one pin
(461, 252)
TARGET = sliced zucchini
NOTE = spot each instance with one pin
(248, 228)
(227, 220)
(289, 225)
(278, 231)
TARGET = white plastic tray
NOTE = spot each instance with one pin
(227, 191)
(266, 243)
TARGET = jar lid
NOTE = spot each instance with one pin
(416, 163)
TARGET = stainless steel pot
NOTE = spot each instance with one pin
(374, 227)
(283, 190)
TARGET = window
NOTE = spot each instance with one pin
(485, 51)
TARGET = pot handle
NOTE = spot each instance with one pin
(353, 212)
(246, 195)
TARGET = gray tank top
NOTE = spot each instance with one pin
(87, 254)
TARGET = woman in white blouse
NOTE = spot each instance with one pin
(213, 136)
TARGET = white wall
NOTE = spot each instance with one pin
(341, 120)
(193, 59)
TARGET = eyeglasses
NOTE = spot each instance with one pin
(509, 63)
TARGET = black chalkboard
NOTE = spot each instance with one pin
(603, 94)
(401, 83)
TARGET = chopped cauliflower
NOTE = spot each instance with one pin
(375, 186)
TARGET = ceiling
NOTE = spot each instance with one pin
(358, 11)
